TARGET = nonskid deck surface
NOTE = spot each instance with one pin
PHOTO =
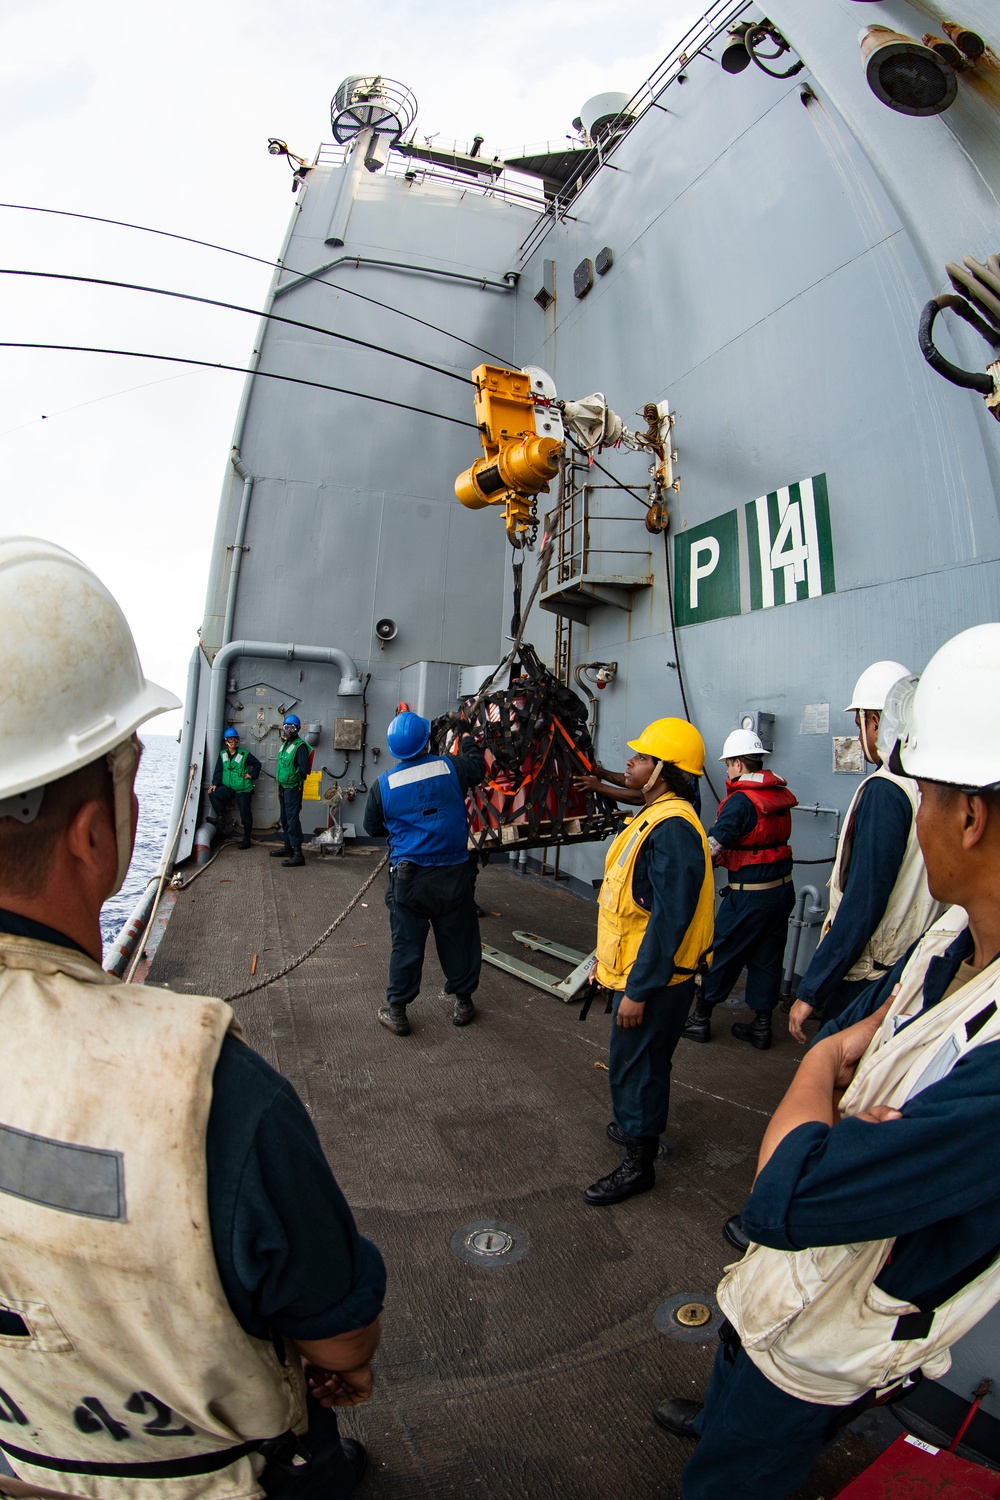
(530, 1378)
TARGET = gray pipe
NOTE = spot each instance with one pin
(353, 172)
(508, 284)
(350, 677)
(237, 545)
(185, 757)
(799, 921)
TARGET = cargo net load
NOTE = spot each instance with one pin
(535, 739)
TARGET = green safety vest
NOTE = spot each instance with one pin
(233, 774)
(285, 773)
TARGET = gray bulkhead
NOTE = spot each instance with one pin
(352, 517)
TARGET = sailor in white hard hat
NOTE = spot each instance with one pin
(875, 1214)
(750, 839)
(138, 1341)
(879, 901)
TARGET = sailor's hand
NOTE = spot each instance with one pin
(878, 1114)
(592, 972)
(630, 1012)
(587, 783)
(851, 1044)
(341, 1387)
(210, 788)
(799, 1012)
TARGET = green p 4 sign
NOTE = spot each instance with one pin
(789, 551)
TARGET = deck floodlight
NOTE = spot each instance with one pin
(735, 56)
(903, 73)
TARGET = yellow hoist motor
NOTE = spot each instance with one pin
(522, 434)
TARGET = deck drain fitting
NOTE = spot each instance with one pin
(489, 1243)
(692, 1317)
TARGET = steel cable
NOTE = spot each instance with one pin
(271, 978)
(160, 291)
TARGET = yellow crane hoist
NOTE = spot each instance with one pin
(522, 434)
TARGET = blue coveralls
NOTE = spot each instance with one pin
(667, 879)
(426, 823)
(751, 927)
(882, 822)
(926, 1179)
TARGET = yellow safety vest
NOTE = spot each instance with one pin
(621, 921)
(132, 1376)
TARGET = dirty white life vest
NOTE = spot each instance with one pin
(129, 1375)
(813, 1321)
(911, 908)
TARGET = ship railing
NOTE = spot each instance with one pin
(717, 19)
(512, 187)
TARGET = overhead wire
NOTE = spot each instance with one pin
(159, 291)
(259, 260)
(213, 364)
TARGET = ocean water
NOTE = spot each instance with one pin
(154, 786)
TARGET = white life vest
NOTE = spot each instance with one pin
(911, 909)
(132, 1376)
(813, 1321)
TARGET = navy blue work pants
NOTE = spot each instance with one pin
(222, 800)
(456, 937)
(327, 1475)
(756, 1442)
(639, 1060)
(751, 930)
(290, 798)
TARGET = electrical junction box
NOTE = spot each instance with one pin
(347, 734)
(762, 725)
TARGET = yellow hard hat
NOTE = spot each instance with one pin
(675, 740)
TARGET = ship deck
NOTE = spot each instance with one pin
(530, 1378)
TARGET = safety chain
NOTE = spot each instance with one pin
(263, 983)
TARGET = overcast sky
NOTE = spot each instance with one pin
(160, 116)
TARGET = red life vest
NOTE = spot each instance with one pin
(767, 842)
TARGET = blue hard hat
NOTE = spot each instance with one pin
(294, 720)
(231, 734)
(407, 735)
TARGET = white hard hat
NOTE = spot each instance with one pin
(949, 717)
(68, 668)
(873, 684)
(742, 742)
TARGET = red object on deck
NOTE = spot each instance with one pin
(913, 1470)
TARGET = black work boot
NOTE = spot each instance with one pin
(698, 1026)
(295, 858)
(393, 1018)
(634, 1174)
(735, 1235)
(757, 1032)
(245, 842)
(285, 852)
(677, 1416)
(463, 1011)
(615, 1133)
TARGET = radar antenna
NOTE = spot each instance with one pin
(370, 102)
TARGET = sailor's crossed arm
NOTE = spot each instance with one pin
(823, 1074)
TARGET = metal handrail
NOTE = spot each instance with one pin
(716, 19)
(510, 187)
